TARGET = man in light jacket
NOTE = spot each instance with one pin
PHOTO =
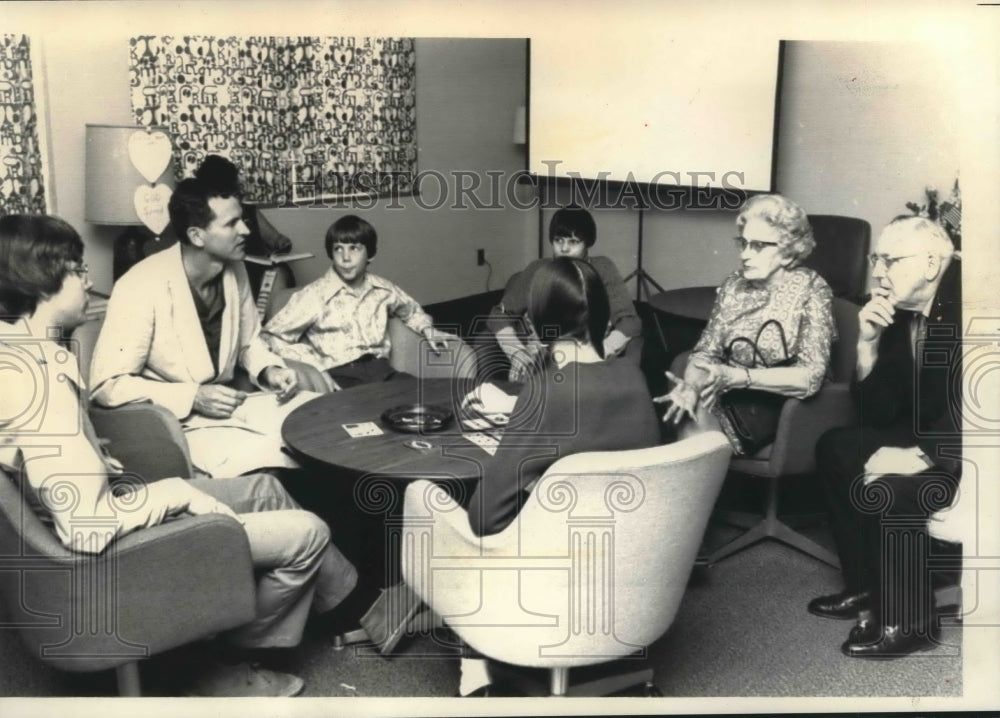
(177, 325)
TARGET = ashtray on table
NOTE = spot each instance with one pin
(417, 418)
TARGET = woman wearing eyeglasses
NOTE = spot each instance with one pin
(770, 295)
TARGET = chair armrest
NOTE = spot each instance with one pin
(803, 422)
(411, 353)
(146, 438)
(688, 302)
(184, 580)
(205, 557)
(959, 523)
(311, 378)
(436, 530)
(426, 501)
(164, 586)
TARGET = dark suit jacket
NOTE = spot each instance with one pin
(924, 408)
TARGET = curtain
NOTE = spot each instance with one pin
(21, 187)
(302, 117)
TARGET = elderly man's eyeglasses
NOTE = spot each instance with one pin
(755, 245)
(888, 261)
(81, 270)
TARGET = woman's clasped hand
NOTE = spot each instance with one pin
(701, 388)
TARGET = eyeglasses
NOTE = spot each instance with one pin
(755, 245)
(81, 270)
(888, 261)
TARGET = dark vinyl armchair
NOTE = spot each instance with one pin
(792, 455)
(148, 592)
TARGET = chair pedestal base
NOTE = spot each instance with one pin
(424, 621)
(779, 531)
(128, 680)
(341, 641)
(769, 526)
(560, 686)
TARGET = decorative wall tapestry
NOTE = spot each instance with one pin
(303, 117)
(21, 187)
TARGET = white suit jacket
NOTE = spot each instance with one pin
(151, 347)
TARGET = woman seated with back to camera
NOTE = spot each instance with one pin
(572, 232)
(577, 401)
(772, 289)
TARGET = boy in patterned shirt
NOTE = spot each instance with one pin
(339, 322)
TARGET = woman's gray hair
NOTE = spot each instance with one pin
(795, 235)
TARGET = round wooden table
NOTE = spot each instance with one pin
(376, 469)
(315, 432)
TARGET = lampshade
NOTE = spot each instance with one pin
(120, 160)
(521, 125)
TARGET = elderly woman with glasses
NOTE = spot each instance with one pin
(771, 326)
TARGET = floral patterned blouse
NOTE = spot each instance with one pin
(328, 324)
(799, 300)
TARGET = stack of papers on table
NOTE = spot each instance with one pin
(489, 399)
(222, 453)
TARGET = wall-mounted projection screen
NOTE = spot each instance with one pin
(682, 111)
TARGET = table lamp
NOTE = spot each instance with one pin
(129, 180)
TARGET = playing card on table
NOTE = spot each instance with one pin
(475, 423)
(365, 428)
(483, 441)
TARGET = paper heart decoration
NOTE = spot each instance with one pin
(151, 206)
(149, 152)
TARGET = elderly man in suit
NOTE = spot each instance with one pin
(886, 476)
(177, 325)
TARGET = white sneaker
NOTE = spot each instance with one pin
(244, 680)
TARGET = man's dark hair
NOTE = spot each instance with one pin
(188, 205)
(573, 221)
(221, 175)
(36, 253)
(567, 299)
(351, 229)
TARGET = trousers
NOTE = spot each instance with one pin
(880, 528)
(296, 565)
(367, 369)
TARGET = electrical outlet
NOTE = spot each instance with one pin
(480, 257)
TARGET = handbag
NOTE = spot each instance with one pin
(749, 417)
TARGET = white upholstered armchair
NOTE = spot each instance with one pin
(592, 569)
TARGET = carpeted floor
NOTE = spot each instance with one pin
(742, 630)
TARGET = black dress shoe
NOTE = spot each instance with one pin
(866, 630)
(890, 642)
(841, 605)
(481, 692)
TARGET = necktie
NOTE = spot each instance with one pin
(918, 329)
